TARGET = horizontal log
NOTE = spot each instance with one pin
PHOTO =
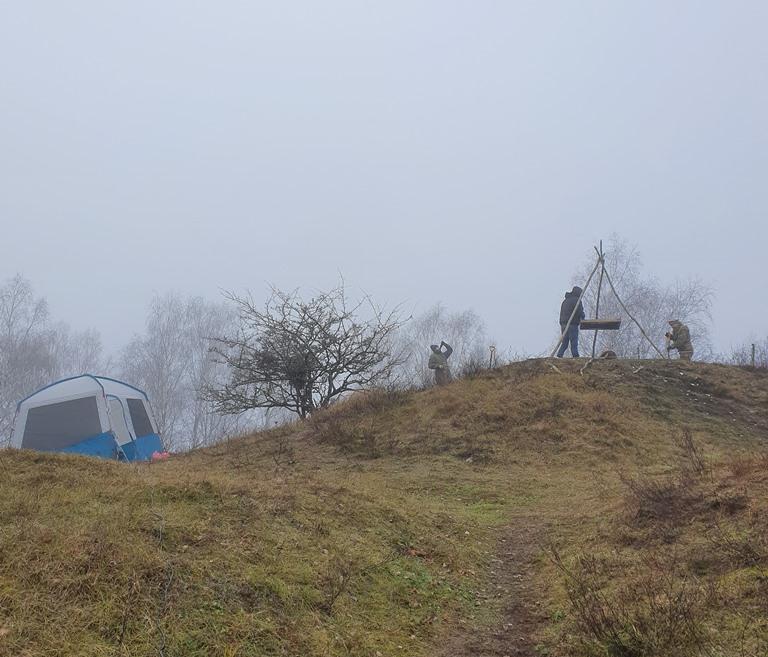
(600, 324)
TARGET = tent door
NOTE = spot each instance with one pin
(117, 415)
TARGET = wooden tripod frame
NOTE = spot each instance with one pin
(600, 264)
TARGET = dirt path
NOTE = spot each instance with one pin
(510, 588)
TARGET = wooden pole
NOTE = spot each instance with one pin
(575, 308)
(629, 314)
(753, 354)
(599, 288)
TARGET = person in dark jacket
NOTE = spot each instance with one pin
(571, 337)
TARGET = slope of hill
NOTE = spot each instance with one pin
(529, 510)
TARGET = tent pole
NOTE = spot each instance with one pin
(599, 288)
(576, 307)
(618, 298)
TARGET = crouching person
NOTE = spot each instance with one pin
(680, 339)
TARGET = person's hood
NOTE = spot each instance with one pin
(575, 292)
(674, 323)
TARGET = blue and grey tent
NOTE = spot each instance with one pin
(87, 414)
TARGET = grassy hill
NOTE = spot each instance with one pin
(531, 510)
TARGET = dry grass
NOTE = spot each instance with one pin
(682, 568)
(370, 529)
(236, 551)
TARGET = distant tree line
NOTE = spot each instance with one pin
(754, 352)
(173, 362)
(35, 350)
(213, 370)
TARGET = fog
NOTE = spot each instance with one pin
(469, 153)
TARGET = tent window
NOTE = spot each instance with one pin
(55, 426)
(141, 424)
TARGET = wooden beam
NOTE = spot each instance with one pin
(600, 255)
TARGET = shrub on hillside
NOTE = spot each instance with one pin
(668, 499)
(656, 610)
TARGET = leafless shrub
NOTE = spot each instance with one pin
(694, 460)
(473, 367)
(747, 548)
(301, 355)
(334, 581)
(752, 638)
(658, 611)
(652, 499)
(283, 453)
(667, 498)
(742, 465)
(339, 574)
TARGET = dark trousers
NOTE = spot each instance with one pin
(570, 338)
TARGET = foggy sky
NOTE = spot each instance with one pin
(467, 152)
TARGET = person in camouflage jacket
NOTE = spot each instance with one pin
(680, 339)
(438, 361)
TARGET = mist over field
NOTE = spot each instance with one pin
(428, 152)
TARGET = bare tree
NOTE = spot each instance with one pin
(742, 355)
(651, 302)
(26, 362)
(33, 352)
(76, 352)
(158, 362)
(173, 362)
(301, 355)
(463, 330)
(204, 425)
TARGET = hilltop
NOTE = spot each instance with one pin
(529, 510)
